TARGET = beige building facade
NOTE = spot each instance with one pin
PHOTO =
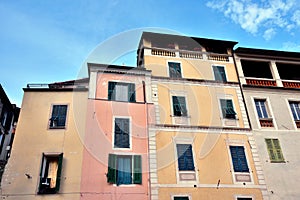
(47, 152)
(201, 145)
(270, 83)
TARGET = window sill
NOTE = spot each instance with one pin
(275, 161)
(58, 127)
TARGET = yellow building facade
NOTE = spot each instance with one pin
(47, 153)
(200, 144)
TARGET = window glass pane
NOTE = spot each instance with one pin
(261, 108)
(124, 170)
(179, 106)
(121, 92)
(174, 70)
(219, 73)
(185, 157)
(121, 133)
(58, 118)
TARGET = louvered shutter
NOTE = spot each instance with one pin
(137, 164)
(111, 171)
(239, 160)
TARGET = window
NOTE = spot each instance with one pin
(122, 137)
(174, 70)
(274, 150)
(58, 117)
(244, 198)
(121, 91)
(227, 109)
(295, 110)
(260, 105)
(185, 157)
(219, 72)
(261, 108)
(124, 170)
(181, 198)
(179, 106)
(239, 160)
(50, 173)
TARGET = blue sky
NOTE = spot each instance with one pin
(48, 41)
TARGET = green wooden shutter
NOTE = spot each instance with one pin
(111, 93)
(58, 176)
(41, 173)
(112, 168)
(131, 92)
(274, 150)
(137, 164)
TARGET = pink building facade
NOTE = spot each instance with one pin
(115, 158)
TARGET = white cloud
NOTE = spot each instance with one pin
(291, 46)
(296, 17)
(269, 33)
(254, 16)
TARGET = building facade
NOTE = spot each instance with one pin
(9, 114)
(47, 152)
(201, 145)
(115, 158)
(270, 82)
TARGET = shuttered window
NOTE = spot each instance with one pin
(274, 150)
(219, 72)
(174, 70)
(58, 117)
(239, 160)
(227, 109)
(118, 91)
(50, 175)
(124, 170)
(122, 135)
(185, 157)
(179, 106)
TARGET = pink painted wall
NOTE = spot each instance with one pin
(98, 142)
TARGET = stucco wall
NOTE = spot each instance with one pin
(281, 178)
(33, 137)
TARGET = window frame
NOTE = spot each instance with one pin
(276, 160)
(111, 92)
(130, 132)
(233, 107)
(168, 69)
(136, 172)
(66, 116)
(44, 187)
(269, 112)
(190, 141)
(225, 73)
(173, 110)
(236, 174)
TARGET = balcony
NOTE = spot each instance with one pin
(266, 122)
(297, 123)
(260, 82)
(291, 84)
(188, 54)
(162, 52)
(218, 57)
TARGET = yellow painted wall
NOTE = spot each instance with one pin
(33, 138)
(211, 156)
(209, 193)
(202, 103)
(191, 68)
